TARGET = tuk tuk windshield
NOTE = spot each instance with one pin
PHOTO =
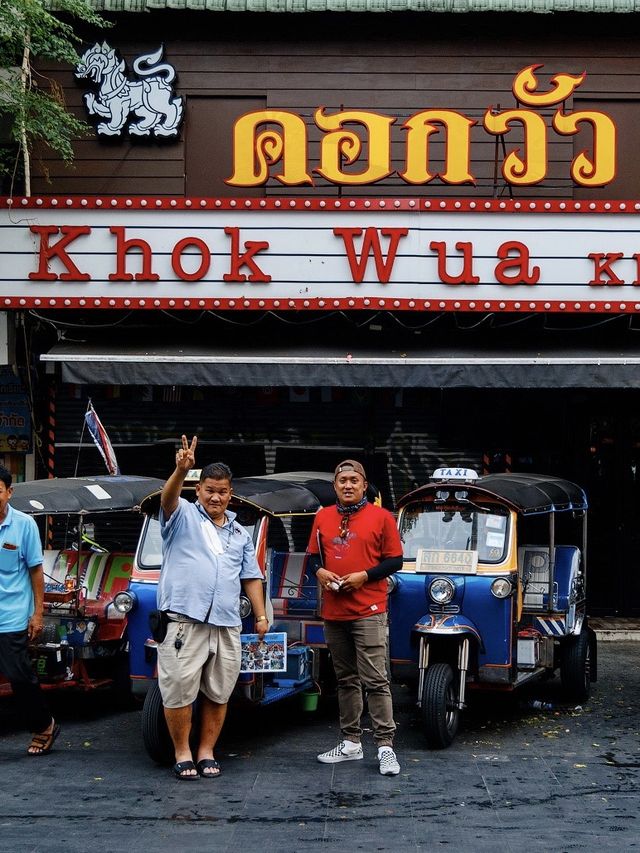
(438, 527)
(150, 547)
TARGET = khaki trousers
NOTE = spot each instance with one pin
(359, 653)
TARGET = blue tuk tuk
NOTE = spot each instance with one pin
(492, 591)
(278, 511)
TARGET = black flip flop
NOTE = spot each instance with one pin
(44, 741)
(179, 768)
(208, 764)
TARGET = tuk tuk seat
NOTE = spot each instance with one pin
(293, 583)
(533, 561)
(102, 575)
(533, 565)
(566, 573)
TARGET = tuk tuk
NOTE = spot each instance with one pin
(492, 591)
(84, 640)
(278, 511)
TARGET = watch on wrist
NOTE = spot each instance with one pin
(261, 619)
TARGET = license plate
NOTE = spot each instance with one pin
(451, 562)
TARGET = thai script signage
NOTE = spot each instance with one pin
(409, 254)
(355, 146)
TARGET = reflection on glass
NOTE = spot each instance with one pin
(435, 527)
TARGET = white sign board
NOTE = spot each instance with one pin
(407, 254)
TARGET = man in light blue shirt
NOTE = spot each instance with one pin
(206, 558)
(21, 607)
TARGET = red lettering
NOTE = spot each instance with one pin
(58, 250)
(602, 266)
(519, 263)
(371, 242)
(466, 276)
(245, 259)
(122, 247)
(205, 259)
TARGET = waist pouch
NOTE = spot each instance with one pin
(158, 622)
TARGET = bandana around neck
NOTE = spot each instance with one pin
(346, 512)
(351, 508)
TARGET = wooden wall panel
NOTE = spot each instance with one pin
(395, 64)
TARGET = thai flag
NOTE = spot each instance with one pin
(101, 439)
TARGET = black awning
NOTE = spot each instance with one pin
(324, 367)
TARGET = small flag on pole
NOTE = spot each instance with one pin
(101, 439)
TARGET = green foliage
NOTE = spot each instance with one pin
(35, 106)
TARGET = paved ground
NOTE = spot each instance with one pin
(514, 780)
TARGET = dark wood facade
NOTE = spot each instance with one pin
(392, 64)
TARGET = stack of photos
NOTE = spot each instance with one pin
(266, 654)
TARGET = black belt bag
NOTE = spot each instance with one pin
(158, 622)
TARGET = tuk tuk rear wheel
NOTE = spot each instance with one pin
(155, 733)
(575, 667)
(440, 715)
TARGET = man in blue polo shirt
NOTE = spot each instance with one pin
(21, 605)
(206, 557)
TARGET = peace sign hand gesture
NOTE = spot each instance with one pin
(186, 456)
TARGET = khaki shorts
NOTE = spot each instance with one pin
(208, 660)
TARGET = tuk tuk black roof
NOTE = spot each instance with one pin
(292, 492)
(83, 495)
(288, 493)
(526, 493)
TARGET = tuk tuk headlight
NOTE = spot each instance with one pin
(441, 590)
(501, 588)
(245, 607)
(125, 601)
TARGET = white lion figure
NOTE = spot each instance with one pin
(150, 98)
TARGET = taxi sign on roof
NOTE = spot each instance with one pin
(454, 474)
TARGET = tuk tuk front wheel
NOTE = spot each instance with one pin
(439, 711)
(575, 667)
(155, 733)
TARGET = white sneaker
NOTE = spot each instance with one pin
(344, 751)
(388, 761)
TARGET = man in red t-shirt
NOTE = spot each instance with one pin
(359, 548)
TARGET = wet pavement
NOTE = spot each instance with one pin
(515, 779)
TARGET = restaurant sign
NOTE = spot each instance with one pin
(320, 254)
(356, 150)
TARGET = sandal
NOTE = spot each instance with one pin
(43, 742)
(208, 764)
(179, 769)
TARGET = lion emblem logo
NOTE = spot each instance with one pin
(150, 98)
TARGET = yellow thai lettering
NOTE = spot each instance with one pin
(273, 145)
(341, 147)
(532, 168)
(255, 152)
(457, 128)
(525, 87)
(600, 168)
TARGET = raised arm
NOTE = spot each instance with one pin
(185, 461)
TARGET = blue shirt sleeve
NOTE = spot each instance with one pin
(32, 546)
(250, 568)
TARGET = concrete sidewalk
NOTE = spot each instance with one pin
(514, 780)
(616, 628)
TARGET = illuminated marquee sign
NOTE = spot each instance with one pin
(315, 254)
(355, 146)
